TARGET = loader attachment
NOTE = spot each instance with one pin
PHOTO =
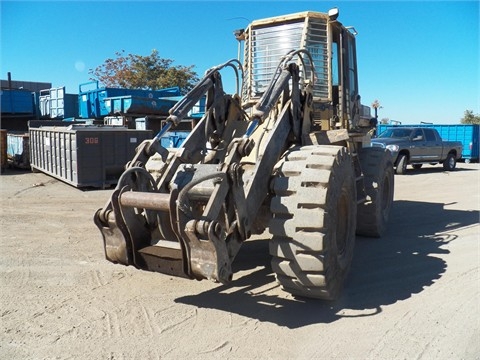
(176, 223)
(192, 214)
(186, 212)
(126, 224)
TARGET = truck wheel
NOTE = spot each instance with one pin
(401, 168)
(313, 221)
(377, 168)
(450, 162)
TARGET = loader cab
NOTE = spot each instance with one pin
(344, 80)
(332, 47)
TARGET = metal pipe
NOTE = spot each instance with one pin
(251, 128)
(163, 130)
(146, 200)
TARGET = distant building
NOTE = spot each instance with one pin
(18, 102)
(24, 85)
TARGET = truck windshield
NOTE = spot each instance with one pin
(396, 133)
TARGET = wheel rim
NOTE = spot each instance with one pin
(451, 162)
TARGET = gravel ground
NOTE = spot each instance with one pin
(413, 294)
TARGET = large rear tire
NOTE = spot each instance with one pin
(377, 168)
(314, 219)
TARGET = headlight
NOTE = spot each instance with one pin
(393, 148)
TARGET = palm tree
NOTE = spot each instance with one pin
(376, 105)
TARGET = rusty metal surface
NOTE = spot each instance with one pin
(146, 200)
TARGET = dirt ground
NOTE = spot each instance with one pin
(414, 294)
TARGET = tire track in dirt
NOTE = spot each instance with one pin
(216, 349)
(97, 279)
(112, 324)
(141, 321)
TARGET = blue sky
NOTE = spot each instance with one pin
(419, 59)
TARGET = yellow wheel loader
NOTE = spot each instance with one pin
(288, 152)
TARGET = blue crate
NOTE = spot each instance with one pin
(129, 104)
(17, 102)
(91, 97)
(173, 139)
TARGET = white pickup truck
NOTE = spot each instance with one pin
(417, 146)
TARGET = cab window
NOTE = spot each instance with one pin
(430, 135)
(417, 135)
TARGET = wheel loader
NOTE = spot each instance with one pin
(288, 152)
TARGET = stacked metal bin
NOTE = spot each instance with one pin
(84, 155)
(55, 103)
(171, 139)
(92, 97)
(17, 102)
(138, 105)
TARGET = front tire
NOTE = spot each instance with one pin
(377, 168)
(314, 219)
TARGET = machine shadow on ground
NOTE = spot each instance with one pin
(436, 169)
(393, 268)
